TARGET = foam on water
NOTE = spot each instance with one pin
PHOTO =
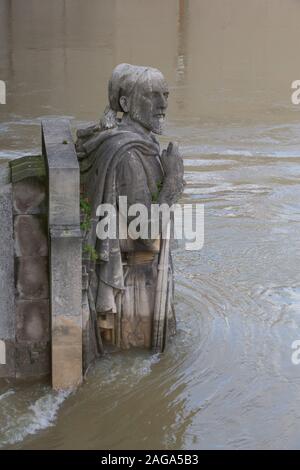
(6, 394)
(112, 368)
(40, 415)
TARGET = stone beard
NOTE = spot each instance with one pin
(149, 102)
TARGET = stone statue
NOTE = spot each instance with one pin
(121, 157)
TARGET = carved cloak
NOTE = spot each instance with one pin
(102, 153)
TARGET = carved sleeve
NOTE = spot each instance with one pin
(131, 180)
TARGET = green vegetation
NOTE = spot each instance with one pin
(90, 250)
(85, 225)
(155, 195)
(86, 212)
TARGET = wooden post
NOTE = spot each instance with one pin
(65, 253)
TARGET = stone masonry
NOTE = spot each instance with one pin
(40, 263)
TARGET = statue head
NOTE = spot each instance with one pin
(141, 93)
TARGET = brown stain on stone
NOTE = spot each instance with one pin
(32, 277)
(30, 233)
(32, 320)
(66, 352)
(29, 196)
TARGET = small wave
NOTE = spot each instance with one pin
(6, 394)
(21, 121)
(136, 367)
(142, 368)
(207, 150)
(190, 150)
(13, 154)
(40, 415)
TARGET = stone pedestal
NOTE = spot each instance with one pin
(31, 251)
(65, 253)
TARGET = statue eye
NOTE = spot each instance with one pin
(166, 94)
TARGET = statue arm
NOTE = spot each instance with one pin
(131, 181)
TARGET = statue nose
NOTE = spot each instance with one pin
(162, 102)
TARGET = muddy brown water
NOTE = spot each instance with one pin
(227, 379)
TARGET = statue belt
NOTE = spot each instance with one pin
(139, 257)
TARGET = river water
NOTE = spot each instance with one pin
(227, 380)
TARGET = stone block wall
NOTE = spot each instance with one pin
(32, 313)
(25, 313)
(7, 284)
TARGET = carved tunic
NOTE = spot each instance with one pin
(139, 186)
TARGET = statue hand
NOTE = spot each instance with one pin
(173, 182)
(172, 161)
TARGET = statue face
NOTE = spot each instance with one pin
(149, 102)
